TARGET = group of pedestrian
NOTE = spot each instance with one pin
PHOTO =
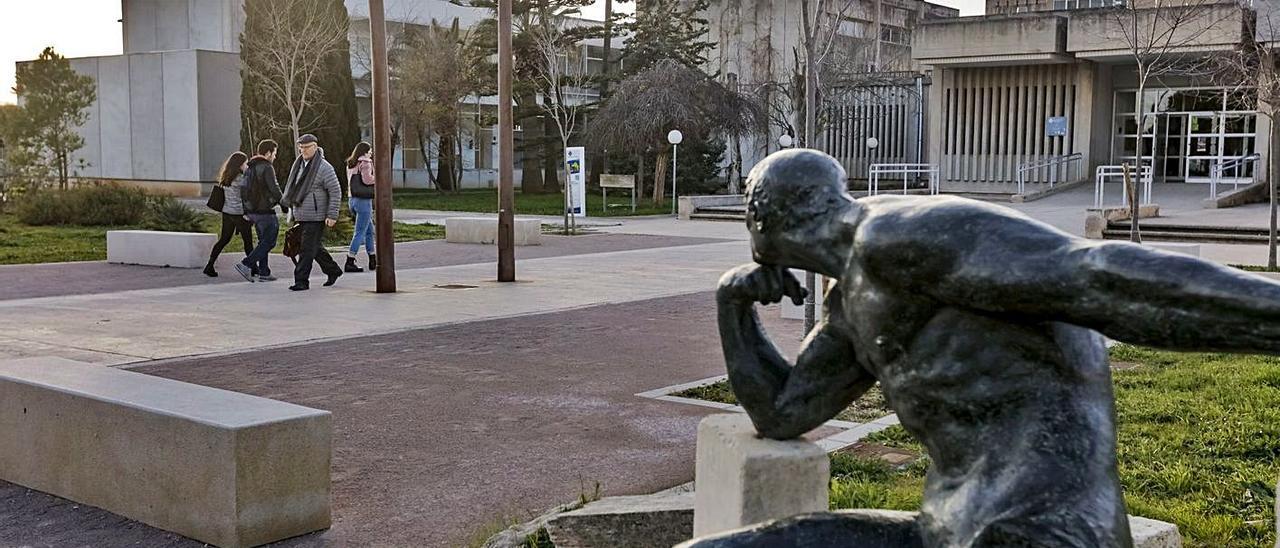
(311, 199)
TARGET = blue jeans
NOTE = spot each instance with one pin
(268, 227)
(362, 208)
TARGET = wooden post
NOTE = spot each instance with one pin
(384, 236)
(506, 192)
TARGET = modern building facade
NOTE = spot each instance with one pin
(167, 110)
(1038, 82)
(758, 44)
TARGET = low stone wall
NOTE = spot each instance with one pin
(484, 230)
(687, 205)
(1096, 220)
(156, 248)
(220, 467)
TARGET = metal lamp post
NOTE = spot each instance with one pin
(674, 137)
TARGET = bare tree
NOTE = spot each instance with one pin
(563, 79)
(287, 60)
(1156, 36)
(1252, 70)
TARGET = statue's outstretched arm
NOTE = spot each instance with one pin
(783, 402)
(1127, 292)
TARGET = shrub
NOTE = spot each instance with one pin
(168, 214)
(90, 205)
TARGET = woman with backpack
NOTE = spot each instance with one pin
(230, 183)
(360, 183)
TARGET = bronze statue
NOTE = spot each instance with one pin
(982, 327)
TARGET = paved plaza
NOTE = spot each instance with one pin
(458, 402)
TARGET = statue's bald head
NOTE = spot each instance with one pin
(798, 210)
(790, 188)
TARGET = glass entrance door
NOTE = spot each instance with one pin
(1204, 145)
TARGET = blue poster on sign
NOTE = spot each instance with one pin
(1056, 126)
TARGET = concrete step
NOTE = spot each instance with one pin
(735, 217)
(1187, 236)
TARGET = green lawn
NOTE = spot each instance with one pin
(1199, 446)
(869, 407)
(23, 244)
(486, 201)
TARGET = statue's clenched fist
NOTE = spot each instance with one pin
(758, 283)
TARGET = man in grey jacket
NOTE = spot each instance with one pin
(313, 195)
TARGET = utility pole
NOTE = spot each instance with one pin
(384, 236)
(506, 192)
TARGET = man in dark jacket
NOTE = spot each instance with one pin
(314, 195)
(261, 195)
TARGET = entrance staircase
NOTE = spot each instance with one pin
(1119, 230)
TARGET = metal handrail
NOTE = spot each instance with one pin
(1069, 160)
(1104, 172)
(1215, 172)
(876, 170)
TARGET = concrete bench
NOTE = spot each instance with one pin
(220, 467)
(484, 230)
(155, 248)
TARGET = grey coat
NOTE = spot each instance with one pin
(318, 196)
(234, 204)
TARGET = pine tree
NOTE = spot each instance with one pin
(54, 99)
(667, 29)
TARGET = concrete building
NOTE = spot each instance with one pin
(167, 111)
(758, 44)
(1046, 83)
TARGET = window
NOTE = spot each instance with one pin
(1086, 4)
(895, 35)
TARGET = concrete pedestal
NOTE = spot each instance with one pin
(224, 468)
(742, 479)
(155, 248)
(484, 230)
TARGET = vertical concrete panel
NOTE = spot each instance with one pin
(115, 118)
(181, 116)
(219, 94)
(173, 30)
(146, 108)
(1103, 103)
(91, 131)
(139, 25)
(207, 24)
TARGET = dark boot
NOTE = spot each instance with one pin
(373, 261)
(209, 271)
(351, 265)
(332, 278)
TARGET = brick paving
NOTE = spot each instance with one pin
(441, 432)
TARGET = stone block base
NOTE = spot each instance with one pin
(663, 519)
(155, 248)
(742, 479)
(1096, 220)
(220, 467)
(484, 230)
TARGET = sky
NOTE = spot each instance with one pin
(84, 28)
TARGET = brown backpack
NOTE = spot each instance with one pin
(293, 242)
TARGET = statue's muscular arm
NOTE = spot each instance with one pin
(783, 401)
(1131, 293)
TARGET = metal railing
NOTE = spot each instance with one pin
(1106, 172)
(905, 170)
(1072, 162)
(1234, 164)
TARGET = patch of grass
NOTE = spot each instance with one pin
(25, 244)
(1199, 439)
(486, 201)
(869, 407)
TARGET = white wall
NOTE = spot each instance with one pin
(168, 25)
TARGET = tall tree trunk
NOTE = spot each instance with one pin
(531, 181)
(660, 177)
(444, 167)
(640, 173)
(551, 158)
(1271, 182)
(1135, 235)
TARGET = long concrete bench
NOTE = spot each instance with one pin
(220, 467)
(156, 248)
(484, 230)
